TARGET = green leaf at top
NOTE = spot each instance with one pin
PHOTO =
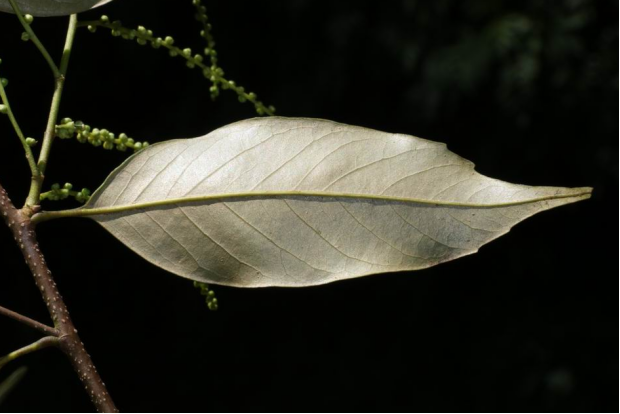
(299, 202)
(45, 8)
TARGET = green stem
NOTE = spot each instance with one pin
(48, 137)
(40, 344)
(29, 156)
(35, 40)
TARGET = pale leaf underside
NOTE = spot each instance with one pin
(46, 8)
(299, 202)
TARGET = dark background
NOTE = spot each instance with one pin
(528, 90)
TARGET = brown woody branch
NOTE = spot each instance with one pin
(69, 341)
(41, 327)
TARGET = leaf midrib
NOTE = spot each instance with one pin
(87, 211)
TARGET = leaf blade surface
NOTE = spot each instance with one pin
(47, 8)
(300, 202)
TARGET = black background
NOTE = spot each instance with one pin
(527, 324)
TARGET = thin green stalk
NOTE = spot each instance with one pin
(35, 40)
(29, 155)
(48, 137)
(40, 344)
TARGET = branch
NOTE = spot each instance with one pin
(41, 327)
(35, 40)
(69, 340)
(40, 344)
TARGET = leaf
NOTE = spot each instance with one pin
(11, 382)
(299, 202)
(46, 8)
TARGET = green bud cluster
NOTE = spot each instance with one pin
(97, 137)
(209, 295)
(28, 19)
(210, 70)
(60, 193)
(201, 16)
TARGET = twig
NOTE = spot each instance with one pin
(43, 328)
(40, 344)
(69, 340)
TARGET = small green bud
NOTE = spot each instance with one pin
(242, 98)
(25, 36)
(92, 28)
(3, 109)
(122, 137)
(4, 82)
(190, 64)
(121, 147)
(116, 33)
(28, 18)
(141, 41)
(108, 145)
(173, 53)
(169, 40)
(137, 146)
(198, 58)
(187, 52)
(141, 29)
(55, 187)
(65, 121)
(68, 186)
(31, 142)
(104, 19)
